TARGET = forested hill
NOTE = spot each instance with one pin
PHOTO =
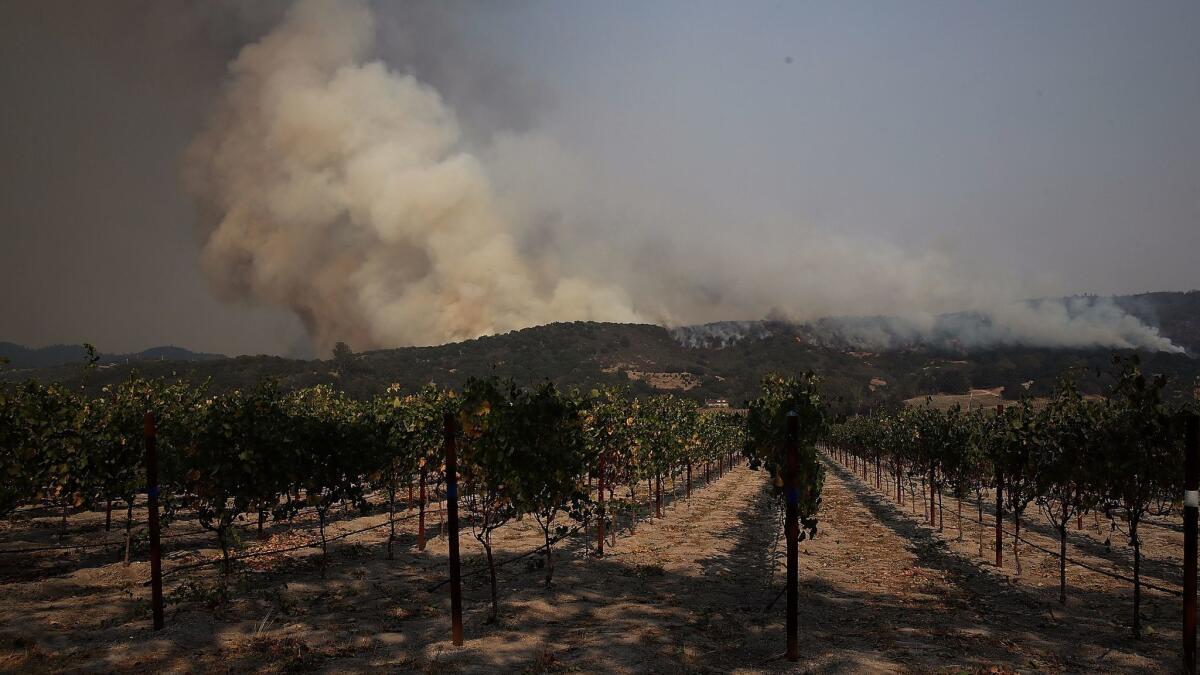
(649, 359)
(21, 357)
(1177, 315)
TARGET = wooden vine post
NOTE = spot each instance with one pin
(999, 507)
(156, 595)
(932, 495)
(999, 518)
(792, 532)
(658, 496)
(452, 515)
(1191, 509)
(689, 478)
(600, 501)
(421, 514)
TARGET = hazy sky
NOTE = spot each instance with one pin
(1056, 141)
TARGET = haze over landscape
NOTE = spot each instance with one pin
(273, 179)
(622, 337)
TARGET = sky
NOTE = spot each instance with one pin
(690, 154)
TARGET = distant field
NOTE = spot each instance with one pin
(975, 400)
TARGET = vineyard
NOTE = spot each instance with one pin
(305, 529)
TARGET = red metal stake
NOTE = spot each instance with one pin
(932, 497)
(452, 515)
(156, 595)
(999, 508)
(421, 515)
(1191, 502)
(600, 526)
(792, 532)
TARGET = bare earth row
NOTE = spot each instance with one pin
(697, 591)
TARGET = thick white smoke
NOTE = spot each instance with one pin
(1080, 322)
(338, 187)
(1071, 322)
(342, 189)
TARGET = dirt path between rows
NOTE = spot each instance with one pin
(908, 598)
(697, 591)
(680, 594)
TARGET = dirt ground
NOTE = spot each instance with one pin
(948, 607)
(697, 591)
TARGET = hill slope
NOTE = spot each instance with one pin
(650, 358)
(21, 357)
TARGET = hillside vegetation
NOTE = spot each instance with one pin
(648, 359)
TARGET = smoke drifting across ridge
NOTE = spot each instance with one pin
(344, 189)
(1079, 322)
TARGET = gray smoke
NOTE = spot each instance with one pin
(347, 189)
(1078, 322)
(340, 188)
(721, 334)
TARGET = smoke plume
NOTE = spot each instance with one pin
(1078, 322)
(342, 188)
(339, 188)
